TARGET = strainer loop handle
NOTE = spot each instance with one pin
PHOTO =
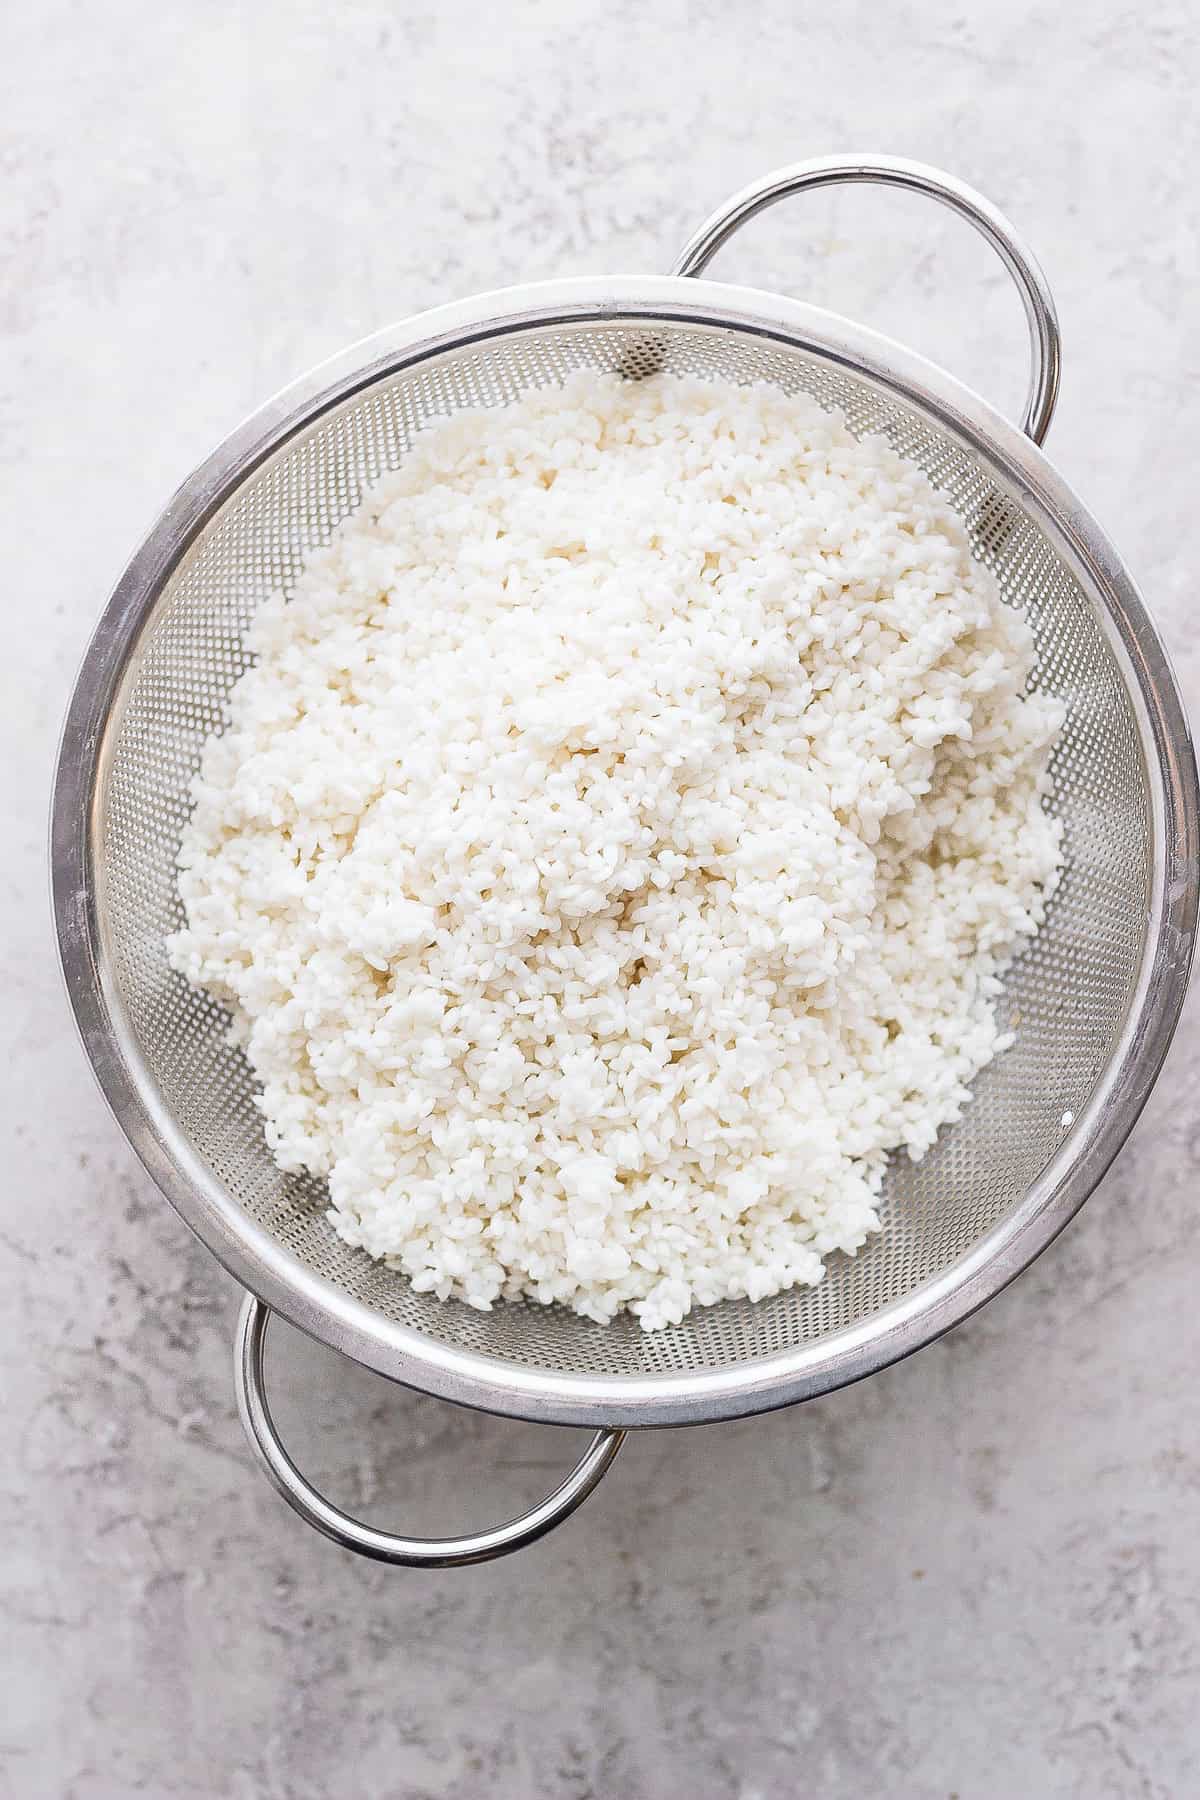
(366, 1540)
(918, 178)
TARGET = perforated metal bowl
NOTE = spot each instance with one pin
(1094, 1000)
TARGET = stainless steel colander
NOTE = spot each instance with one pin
(1094, 1000)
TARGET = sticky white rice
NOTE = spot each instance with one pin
(615, 850)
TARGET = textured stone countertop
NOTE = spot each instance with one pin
(977, 1575)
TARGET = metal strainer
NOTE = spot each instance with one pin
(1094, 1000)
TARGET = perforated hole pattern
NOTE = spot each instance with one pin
(1066, 998)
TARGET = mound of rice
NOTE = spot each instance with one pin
(615, 850)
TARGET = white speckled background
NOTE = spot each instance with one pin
(977, 1575)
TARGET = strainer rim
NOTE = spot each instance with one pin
(318, 1305)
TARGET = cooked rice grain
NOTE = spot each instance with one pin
(615, 850)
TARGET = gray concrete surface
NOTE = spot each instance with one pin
(977, 1575)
